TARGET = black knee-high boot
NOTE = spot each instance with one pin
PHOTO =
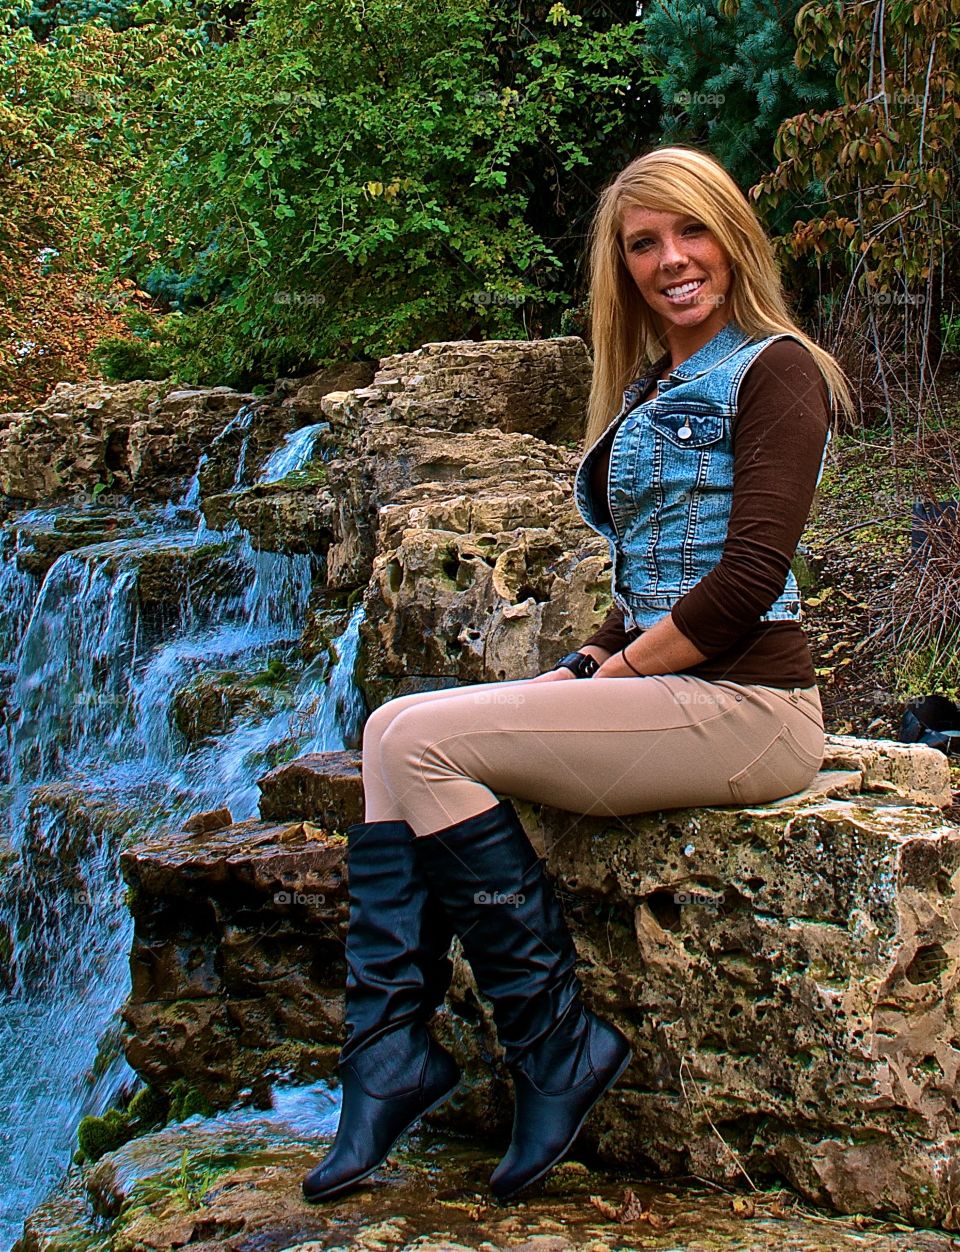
(392, 1071)
(561, 1055)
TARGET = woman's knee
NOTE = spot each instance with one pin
(402, 732)
(383, 717)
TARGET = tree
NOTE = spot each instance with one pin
(727, 77)
(886, 234)
(345, 179)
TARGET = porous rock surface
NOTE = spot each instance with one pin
(144, 438)
(232, 1184)
(787, 973)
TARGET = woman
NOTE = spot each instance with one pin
(700, 688)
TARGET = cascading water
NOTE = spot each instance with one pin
(96, 757)
(294, 453)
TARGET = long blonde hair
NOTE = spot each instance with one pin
(625, 334)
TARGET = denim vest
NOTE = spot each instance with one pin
(670, 481)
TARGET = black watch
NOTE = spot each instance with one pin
(579, 664)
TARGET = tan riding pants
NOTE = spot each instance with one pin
(596, 746)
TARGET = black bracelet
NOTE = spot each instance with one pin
(623, 653)
(580, 664)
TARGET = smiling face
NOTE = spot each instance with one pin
(680, 270)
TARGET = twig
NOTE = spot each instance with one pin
(703, 1108)
(889, 517)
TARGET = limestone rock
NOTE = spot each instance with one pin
(43, 538)
(323, 787)
(222, 989)
(885, 763)
(537, 387)
(211, 819)
(787, 975)
(240, 1190)
(283, 517)
(305, 394)
(77, 437)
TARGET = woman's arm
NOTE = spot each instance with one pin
(779, 434)
(662, 649)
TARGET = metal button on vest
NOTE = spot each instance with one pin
(684, 432)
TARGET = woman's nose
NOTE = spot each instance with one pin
(673, 254)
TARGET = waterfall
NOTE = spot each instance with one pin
(294, 453)
(96, 756)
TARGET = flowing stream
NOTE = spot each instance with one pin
(94, 656)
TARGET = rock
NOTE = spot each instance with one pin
(214, 699)
(143, 439)
(204, 823)
(232, 1182)
(40, 540)
(305, 394)
(786, 974)
(537, 387)
(222, 989)
(279, 517)
(324, 787)
(885, 763)
(76, 438)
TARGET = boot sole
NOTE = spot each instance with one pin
(353, 1182)
(508, 1195)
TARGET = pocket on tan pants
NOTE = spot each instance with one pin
(784, 766)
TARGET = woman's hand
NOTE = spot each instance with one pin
(598, 654)
(554, 675)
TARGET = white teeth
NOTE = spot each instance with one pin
(685, 289)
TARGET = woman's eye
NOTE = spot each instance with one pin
(694, 226)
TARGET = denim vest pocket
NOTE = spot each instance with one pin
(686, 428)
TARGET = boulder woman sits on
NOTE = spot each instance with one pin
(698, 689)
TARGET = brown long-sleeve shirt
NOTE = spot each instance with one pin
(779, 430)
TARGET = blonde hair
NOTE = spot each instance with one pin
(625, 333)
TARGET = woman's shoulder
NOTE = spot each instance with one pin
(784, 369)
(785, 350)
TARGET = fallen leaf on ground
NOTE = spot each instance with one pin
(633, 1209)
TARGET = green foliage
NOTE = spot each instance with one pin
(275, 675)
(97, 1135)
(726, 74)
(150, 351)
(887, 227)
(185, 1189)
(185, 1101)
(926, 664)
(344, 180)
(43, 19)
